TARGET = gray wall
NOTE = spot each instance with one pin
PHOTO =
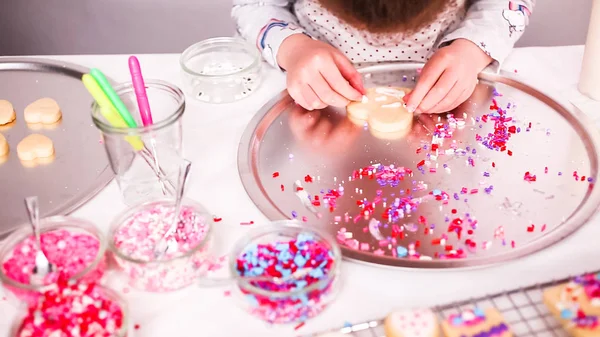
(45, 27)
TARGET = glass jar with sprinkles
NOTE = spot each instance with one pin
(221, 70)
(75, 247)
(286, 273)
(85, 309)
(134, 236)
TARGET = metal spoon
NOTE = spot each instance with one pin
(168, 242)
(42, 266)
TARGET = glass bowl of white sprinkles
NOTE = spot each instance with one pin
(221, 70)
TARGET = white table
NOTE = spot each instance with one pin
(368, 292)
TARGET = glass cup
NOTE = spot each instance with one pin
(221, 70)
(135, 233)
(63, 238)
(146, 159)
(262, 297)
(109, 293)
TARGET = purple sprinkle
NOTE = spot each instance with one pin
(486, 174)
(560, 173)
(294, 214)
(456, 197)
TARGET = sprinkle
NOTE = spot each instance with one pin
(217, 219)
(308, 179)
(529, 177)
(247, 223)
(275, 174)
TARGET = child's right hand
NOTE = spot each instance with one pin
(318, 75)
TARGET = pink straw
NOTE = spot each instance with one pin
(140, 90)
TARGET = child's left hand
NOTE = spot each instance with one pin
(448, 78)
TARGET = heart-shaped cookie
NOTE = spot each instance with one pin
(7, 112)
(411, 323)
(3, 146)
(44, 110)
(35, 146)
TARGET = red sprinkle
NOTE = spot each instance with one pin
(275, 174)
(531, 228)
(137, 326)
(308, 179)
(217, 219)
(421, 163)
(282, 188)
(509, 152)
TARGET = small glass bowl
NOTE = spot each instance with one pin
(221, 70)
(91, 272)
(110, 294)
(171, 272)
(285, 307)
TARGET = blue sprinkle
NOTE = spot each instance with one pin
(256, 271)
(252, 299)
(347, 325)
(299, 260)
(282, 247)
(437, 192)
(566, 314)
(478, 312)
(317, 273)
(285, 272)
(457, 321)
(300, 284)
(402, 252)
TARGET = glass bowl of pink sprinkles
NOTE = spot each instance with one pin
(136, 232)
(74, 246)
(285, 272)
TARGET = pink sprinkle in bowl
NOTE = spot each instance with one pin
(74, 246)
(135, 232)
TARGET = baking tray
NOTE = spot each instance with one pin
(522, 308)
(504, 216)
(80, 168)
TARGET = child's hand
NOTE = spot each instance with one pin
(449, 78)
(318, 75)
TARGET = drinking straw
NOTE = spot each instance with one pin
(140, 90)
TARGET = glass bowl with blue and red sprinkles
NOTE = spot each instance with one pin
(286, 273)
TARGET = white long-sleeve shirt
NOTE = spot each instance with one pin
(493, 25)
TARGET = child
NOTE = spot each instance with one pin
(317, 42)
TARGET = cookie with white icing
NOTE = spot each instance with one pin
(376, 101)
(576, 305)
(476, 322)
(411, 323)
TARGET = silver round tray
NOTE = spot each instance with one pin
(462, 186)
(80, 168)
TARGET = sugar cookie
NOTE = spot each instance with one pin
(411, 323)
(374, 99)
(476, 322)
(44, 110)
(7, 112)
(576, 305)
(3, 146)
(35, 146)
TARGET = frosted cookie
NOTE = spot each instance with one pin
(411, 323)
(3, 146)
(44, 110)
(577, 305)
(35, 146)
(374, 99)
(7, 112)
(476, 322)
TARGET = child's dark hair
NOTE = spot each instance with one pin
(388, 16)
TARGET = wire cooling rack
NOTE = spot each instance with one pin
(523, 309)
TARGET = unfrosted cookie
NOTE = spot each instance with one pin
(577, 305)
(476, 322)
(7, 112)
(35, 146)
(44, 110)
(3, 146)
(411, 323)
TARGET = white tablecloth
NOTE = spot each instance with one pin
(368, 292)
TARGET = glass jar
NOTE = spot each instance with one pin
(262, 296)
(108, 293)
(221, 70)
(74, 246)
(146, 159)
(135, 233)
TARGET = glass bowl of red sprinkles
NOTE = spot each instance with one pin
(286, 273)
(75, 247)
(136, 232)
(69, 308)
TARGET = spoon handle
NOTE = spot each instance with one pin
(184, 173)
(33, 210)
